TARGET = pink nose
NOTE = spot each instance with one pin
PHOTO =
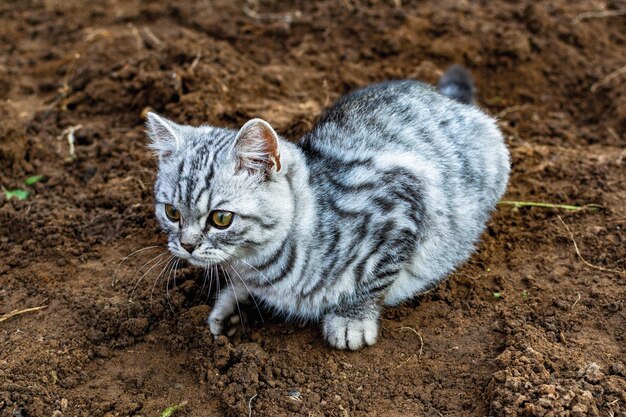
(188, 247)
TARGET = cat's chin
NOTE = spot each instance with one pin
(201, 263)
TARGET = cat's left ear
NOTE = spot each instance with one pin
(165, 136)
(257, 148)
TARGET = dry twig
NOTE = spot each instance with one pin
(348, 5)
(19, 312)
(571, 235)
(512, 109)
(612, 132)
(153, 38)
(419, 354)
(598, 14)
(250, 405)
(251, 10)
(196, 61)
(137, 36)
(607, 79)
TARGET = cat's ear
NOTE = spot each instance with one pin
(165, 136)
(257, 148)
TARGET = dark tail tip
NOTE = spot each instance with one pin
(457, 84)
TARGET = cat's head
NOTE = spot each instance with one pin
(220, 194)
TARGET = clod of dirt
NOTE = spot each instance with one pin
(13, 144)
(527, 386)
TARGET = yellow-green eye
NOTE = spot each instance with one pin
(221, 219)
(172, 213)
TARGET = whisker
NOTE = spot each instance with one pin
(247, 289)
(164, 272)
(208, 295)
(167, 286)
(219, 284)
(236, 299)
(160, 262)
(204, 277)
(150, 261)
(260, 273)
(125, 258)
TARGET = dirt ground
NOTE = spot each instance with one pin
(525, 328)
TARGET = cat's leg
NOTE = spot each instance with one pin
(225, 316)
(410, 283)
(352, 326)
(405, 287)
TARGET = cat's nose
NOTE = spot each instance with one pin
(189, 247)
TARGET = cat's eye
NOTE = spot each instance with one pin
(221, 219)
(172, 213)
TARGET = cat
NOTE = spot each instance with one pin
(386, 195)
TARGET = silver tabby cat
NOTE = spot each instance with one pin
(383, 199)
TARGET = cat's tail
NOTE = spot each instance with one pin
(457, 84)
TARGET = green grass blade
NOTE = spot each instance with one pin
(518, 204)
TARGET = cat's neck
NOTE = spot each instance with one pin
(298, 229)
(297, 177)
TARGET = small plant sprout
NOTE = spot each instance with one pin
(497, 295)
(525, 294)
(20, 193)
(33, 180)
(71, 140)
(173, 409)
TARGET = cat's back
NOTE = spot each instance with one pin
(410, 120)
(362, 117)
(396, 115)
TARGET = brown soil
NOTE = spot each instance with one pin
(552, 344)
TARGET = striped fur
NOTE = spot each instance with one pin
(382, 200)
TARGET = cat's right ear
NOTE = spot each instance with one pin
(165, 135)
(257, 148)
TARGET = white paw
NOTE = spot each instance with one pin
(349, 333)
(224, 324)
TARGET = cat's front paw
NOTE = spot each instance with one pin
(350, 332)
(227, 325)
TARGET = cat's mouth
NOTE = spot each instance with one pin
(199, 258)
